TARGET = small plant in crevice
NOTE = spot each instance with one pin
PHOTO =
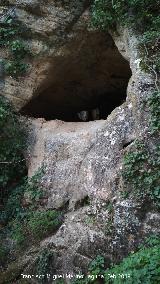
(10, 38)
(109, 207)
(33, 188)
(154, 105)
(142, 174)
(89, 220)
(44, 264)
(97, 266)
(95, 273)
(109, 227)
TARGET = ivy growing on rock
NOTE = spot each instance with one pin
(154, 105)
(34, 226)
(141, 165)
(12, 144)
(22, 218)
(140, 15)
(12, 166)
(139, 267)
(10, 38)
(141, 173)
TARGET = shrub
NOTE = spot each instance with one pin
(107, 13)
(10, 38)
(33, 187)
(42, 223)
(13, 208)
(96, 267)
(140, 267)
(15, 68)
(12, 144)
(18, 233)
(33, 226)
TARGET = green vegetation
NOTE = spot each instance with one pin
(27, 222)
(142, 173)
(12, 144)
(14, 209)
(44, 264)
(3, 255)
(142, 16)
(21, 219)
(10, 35)
(33, 188)
(154, 105)
(42, 223)
(95, 270)
(140, 267)
(141, 170)
(34, 226)
(97, 266)
(12, 165)
(18, 233)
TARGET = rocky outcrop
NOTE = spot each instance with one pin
(83, 172)
(48, 24)
(83, 161)
(71, 66)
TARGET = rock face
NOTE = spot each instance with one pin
(83, 164)
(83, 161)
(72, 66)
(48, 23)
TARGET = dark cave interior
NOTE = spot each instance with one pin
(86, 86)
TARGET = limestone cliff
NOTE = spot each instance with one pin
(76, 68)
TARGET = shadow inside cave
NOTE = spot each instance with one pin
(83, 86)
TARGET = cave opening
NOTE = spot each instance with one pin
(86, 84)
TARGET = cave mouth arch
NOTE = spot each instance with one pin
(85, 83)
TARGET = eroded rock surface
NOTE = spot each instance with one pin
(83, 162)
(83, 173)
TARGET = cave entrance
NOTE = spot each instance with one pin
(87, 83)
